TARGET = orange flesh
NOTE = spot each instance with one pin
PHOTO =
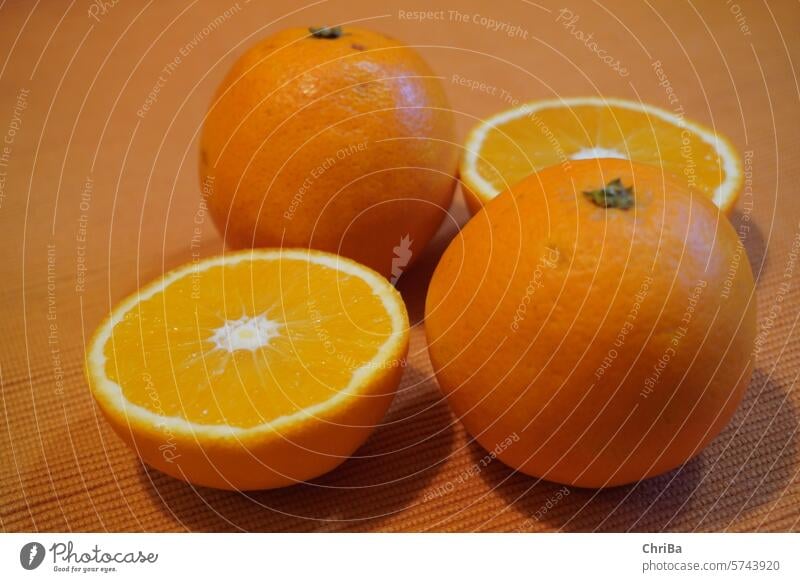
(548, 137)
(308, 327)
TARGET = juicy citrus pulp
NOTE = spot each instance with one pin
(252, 347)
(509, 146)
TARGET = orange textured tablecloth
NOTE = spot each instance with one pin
(95, 200)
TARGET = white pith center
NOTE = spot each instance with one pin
(245, 333)
(598, 152)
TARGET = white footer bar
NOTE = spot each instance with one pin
(400, 557)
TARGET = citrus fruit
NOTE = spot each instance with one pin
(340, 139)
(509, 146)
(251, 370)
(594, 324)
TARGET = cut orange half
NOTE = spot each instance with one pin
(251, 370)
(511, 145)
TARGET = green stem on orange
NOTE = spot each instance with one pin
(612, 195)
(325, 31)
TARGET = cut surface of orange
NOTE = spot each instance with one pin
(511, 145)
(251, 370)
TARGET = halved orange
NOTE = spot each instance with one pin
(251, 370)
(511, 145)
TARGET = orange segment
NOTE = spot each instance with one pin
(514, 144)
(256, 344)
(224, 353)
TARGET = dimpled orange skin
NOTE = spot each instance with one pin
(340, 144)
(526, 305)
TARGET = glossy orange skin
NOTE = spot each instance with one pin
(343, 145)
(529, 300)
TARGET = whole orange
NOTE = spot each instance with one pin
(338, 139)
(594, 325)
